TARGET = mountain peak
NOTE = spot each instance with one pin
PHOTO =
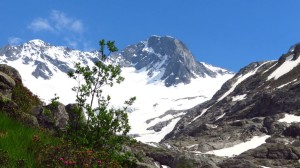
(165, 59)
(165, 45)
(37, 42)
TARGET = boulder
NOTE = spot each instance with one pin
(272, 126)
(10, 71)
(37, 110)
(75, 115)
(53, 117)
(6, 85)
(29, 119)
(293, 130)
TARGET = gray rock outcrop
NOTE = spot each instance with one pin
(52, 117)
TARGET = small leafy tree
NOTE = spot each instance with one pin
(105, 127)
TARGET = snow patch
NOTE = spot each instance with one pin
(152, 144)
(286, 67)
(164, 166)
(203, 112)
(148, 49)
(240, 148)
(281, 86)
(290, 118)
(191, 146)
(152, 136)
(221, 116)
(239, 97)
(168, 145)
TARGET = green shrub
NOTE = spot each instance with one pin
(105, 127)
(54, 101)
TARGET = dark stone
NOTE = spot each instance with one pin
(293, 130)
(158, 127)
(75, 115)
(6, 85)
(28, 119)
(37, 110)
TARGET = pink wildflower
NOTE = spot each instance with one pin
(99, 162)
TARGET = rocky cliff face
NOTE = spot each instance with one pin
(256, 106)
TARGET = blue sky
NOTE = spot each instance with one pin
(225, 33)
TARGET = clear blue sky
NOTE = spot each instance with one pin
(225, 33)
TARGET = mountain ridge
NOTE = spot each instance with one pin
(44, 66)
(166, 58)
(258, 106)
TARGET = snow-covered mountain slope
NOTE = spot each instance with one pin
(156, 103)
(161, 72)
(257, 107)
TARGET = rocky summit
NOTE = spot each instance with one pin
(168, 59)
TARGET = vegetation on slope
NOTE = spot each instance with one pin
(16, 143)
